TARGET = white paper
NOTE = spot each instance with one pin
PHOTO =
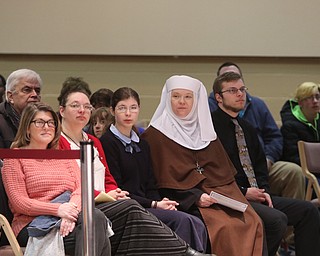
(229, 202)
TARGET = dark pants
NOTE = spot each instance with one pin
(190, 228)
(302, 215)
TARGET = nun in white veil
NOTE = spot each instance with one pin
(186, 131)
(189, 162)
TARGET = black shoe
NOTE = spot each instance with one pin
(192, 252)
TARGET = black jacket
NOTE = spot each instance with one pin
(225, 130)
(293, 129)
(8, 125)
(132, 171)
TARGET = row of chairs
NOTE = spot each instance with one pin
(310, 163)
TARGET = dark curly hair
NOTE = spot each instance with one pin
(71, 85)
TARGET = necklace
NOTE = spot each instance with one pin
(198, 168)
(77, 144)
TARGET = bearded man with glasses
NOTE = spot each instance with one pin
(285, 177)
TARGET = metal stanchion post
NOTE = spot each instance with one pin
(86, 156)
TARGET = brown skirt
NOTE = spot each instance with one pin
(232, 232)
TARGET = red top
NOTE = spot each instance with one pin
(110, 183)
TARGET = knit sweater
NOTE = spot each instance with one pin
(32, 183)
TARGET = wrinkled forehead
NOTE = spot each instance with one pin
(28, 81)
(183, 82)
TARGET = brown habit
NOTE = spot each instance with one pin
(230, 232)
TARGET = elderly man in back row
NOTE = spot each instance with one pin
(23, 86)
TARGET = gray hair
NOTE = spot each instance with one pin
(15, 77)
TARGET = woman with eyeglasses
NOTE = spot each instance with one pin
(128, 158)
(31, 184)
(137, 232)
(75, 111)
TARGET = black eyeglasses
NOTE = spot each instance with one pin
(234, 90)
(313, 97)
(41, 123)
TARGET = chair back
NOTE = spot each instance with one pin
(309, 153)
(14, 249)
(312, 156)
(4, 210)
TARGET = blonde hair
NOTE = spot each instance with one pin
(306, 90)
(22, 138)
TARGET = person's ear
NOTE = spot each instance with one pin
(28, 136)
(218, 97)
(61, 111)
(112, 111)
(9, 97)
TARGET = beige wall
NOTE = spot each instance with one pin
(272, 79)
(271, 28)
(141, 43)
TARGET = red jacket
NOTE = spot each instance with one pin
(110, 183)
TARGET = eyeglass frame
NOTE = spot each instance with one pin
(49, 123)
(313, 97)
(124, 109)
(28, 90)
(234, 90)
(77, 106)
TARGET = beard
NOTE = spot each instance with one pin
(235, 109)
